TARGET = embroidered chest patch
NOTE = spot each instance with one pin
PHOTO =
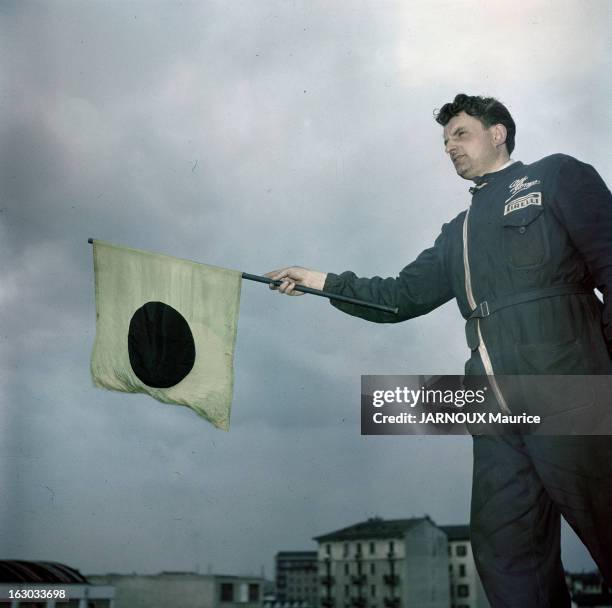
(521, 184)
(533, 198)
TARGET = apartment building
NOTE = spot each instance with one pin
(398, 563)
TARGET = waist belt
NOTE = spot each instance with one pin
(488, 307)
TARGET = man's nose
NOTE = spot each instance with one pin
(449, 147)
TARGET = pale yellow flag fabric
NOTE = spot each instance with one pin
(166, 327)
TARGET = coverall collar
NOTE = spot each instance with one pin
(481, 180)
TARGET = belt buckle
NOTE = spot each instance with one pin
(484, 309)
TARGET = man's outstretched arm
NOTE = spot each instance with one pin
(419, 288)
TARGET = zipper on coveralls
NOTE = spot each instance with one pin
(482, 347)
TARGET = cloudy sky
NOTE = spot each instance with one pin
(249, 135)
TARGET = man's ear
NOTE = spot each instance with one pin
(500, 133)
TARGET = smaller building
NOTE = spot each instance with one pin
(35, 584)
(588, 590)
(297, 581)
(184, 589)
(586, 583)
(466, 590)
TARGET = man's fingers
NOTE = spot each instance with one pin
(281, 273)
(286, 286)
(289, 277)
(292, 291)
(275, 275)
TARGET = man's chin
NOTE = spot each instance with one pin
(464, 173)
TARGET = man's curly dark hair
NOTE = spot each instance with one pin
(486, 109)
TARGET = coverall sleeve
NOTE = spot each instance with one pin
(584, 205)
(420, 287)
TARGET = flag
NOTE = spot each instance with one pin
(165, 327)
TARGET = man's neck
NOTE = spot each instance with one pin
(502, 163)
(509, 162)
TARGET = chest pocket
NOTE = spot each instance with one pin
(524, 237)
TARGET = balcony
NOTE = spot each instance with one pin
(327, 602)
(359, 579)
(359, 602)
(392, 602)
(327, 581)
(392, 580)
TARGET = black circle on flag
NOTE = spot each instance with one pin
(160, 345)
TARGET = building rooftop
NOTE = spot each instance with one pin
(296, 554)
(375, 527)
(586, 578)
(20, 571)
(456, 532)
(177, 574)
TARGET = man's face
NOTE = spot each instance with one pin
(470, 145)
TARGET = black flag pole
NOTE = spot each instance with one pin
(315, 292)
(325, 294)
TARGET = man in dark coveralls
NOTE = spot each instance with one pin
(522, 263)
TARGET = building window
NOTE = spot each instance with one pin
(372, 548)
(373, 590)
(346, 550)
(358, 549)
(461, 550)
(450, 568)
(346, 591)
(391, 546)
(372, 568)
(346, 569)
(463, 591)
(253, 592)
(327, 549)
(227, 592)
(461, 569)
